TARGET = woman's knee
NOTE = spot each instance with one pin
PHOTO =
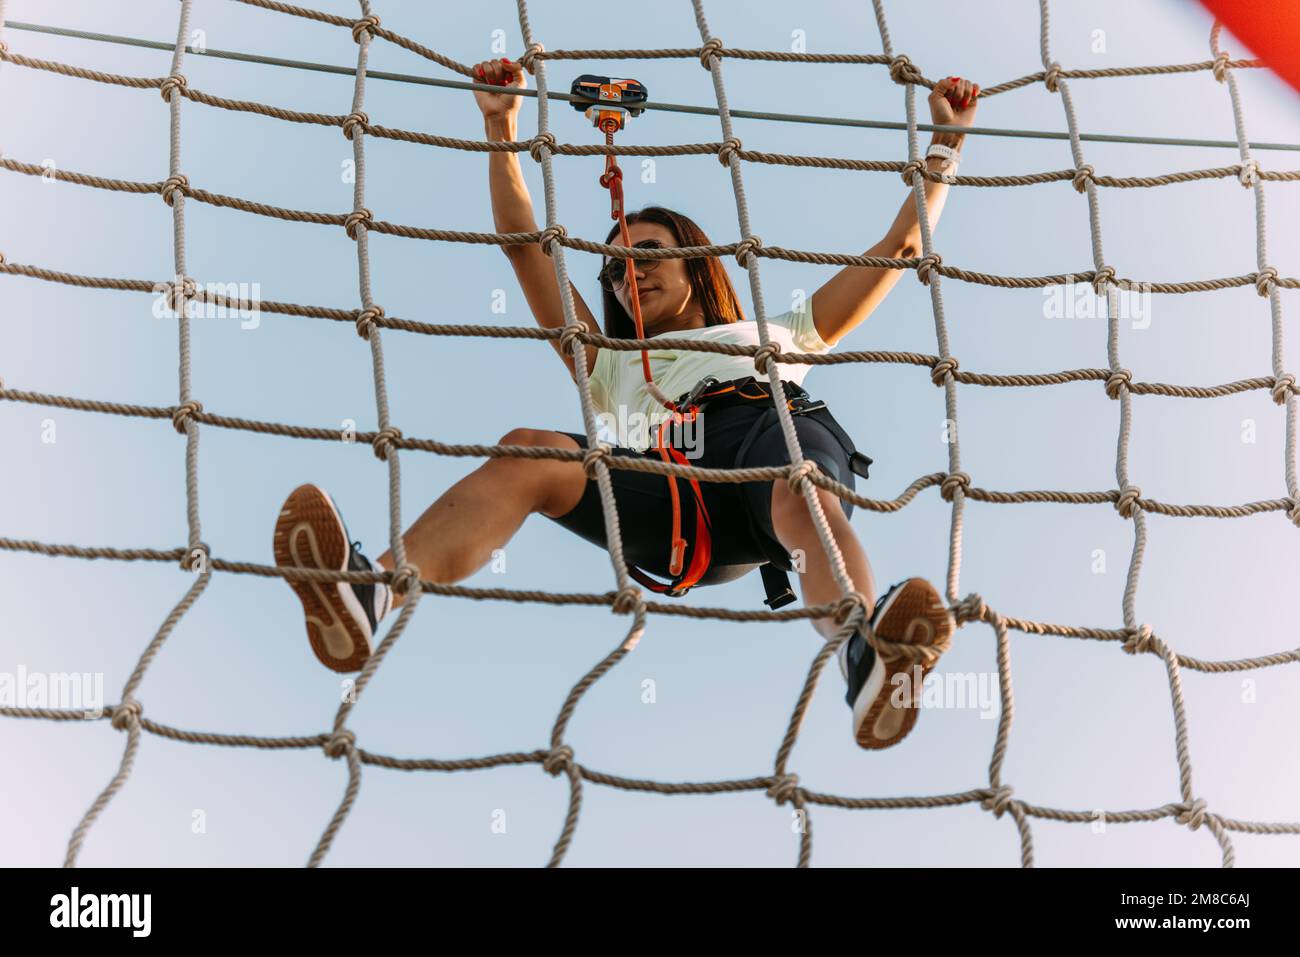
(791, 517)
(554, 485)
(537, 438)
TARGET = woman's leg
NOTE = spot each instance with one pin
(458, 533)
(794, 527)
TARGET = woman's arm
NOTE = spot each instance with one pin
(854, 292)
(512, 209)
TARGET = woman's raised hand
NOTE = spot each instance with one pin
(953, 101)
(502, 72)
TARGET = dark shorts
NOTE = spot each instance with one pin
(740, 513)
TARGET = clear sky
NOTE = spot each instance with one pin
(1093, 727)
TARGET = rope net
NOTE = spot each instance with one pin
(954, 485)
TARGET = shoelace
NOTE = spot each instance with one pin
(356, 550)
(879, 602)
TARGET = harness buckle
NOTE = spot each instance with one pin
(801, 404)
(693, 397)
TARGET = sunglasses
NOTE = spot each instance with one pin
(614, 272)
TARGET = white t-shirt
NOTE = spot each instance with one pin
(627, 415)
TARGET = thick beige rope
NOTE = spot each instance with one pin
(752, 245)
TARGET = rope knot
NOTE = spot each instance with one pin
(1294, 512)
(1248, 173)
(910, 169)
(942, 368)
(366, 319)
(1220, 67)
(363, 27)
(594, 455)
(385, 440)
(712, 47)
(172, 185)
(763, 353)
(183, 413)
(1127, 504)
(354, 120)
(1193, 815)
(785, 788)
(1082, 177)
(799, 473)
(197, 558)
(127, 714)
(901, 70)
(558, 760)
(1281, 386)
(535, 145)
(924, 267)
(569, 335)
(727, 149)
(610, 175)
(406, 578)
(1102, 276)
(951, 482)
(970, 608)
(550, 235)
(626, 600)
(845, 606)
(339, 743)
(358, 217)
(1117, 379)
(998, 802)
(1138, 640)
(178, 292)
(746, 248)
(528, 59)
(174, 82)
(1265, 279)
(1052, 77)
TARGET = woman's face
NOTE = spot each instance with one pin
(665, 290)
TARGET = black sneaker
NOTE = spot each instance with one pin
(342, 618)
(885, 710)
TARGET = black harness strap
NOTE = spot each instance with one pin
(776, 580)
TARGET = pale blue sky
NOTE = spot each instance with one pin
(1093, 727)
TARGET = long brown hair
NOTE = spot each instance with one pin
(710, 284)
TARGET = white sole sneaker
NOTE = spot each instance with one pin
(912, 613)
(310, 534)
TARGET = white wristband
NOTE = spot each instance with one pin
(951, 159)
(947, 152)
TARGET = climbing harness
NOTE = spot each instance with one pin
(713, 395)
(608, 102)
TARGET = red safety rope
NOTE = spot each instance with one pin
(612, 179)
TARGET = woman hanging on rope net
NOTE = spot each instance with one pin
(731, 528)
